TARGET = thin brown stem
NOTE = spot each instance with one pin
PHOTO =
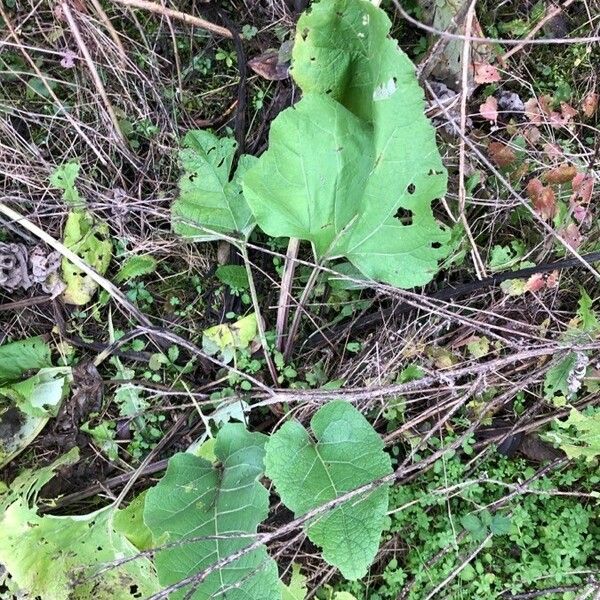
(176, 14)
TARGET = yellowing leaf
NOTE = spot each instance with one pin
(90, 240)
(580, 437)
(226, 338)
(56, 558)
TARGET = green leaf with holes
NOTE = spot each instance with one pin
(353, 167)
(63, 178)
(58, 558)
(197, 499)
(210, 199)
(343, 453)
(563, 379)
(579, 435)
(89, 238)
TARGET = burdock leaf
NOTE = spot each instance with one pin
(344, 453)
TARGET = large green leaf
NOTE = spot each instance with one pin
(56, 558)
(196, 498)
(26, 406)
(353, 167)
(345, 454)
(207, 196)
(24, 355)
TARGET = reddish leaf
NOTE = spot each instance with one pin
(579, 212)
(583, 187)
(532, 135)
(589, 104)
(545, 101)
(535, 283)
(552, 280)
(571, 235)
(553, 151)
(539, 281)
(489, 109)
(542, 198)
(567, 111)
(561, 174)
(501, 154)
(485, 73)
(533, 111)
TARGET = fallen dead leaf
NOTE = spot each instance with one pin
(532, 135)
(571, 235)
(542, 198)
(589, 105)
(489, 109)
(553, 151)
(269, 67)
(501, 154)
(561, 174)
(485, 73)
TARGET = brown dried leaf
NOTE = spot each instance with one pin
(561, 174)
(267, 65)
(589, 105)
(542, 198)
(489, 109)
(571, 235)
(13, 267)
(501, 154)
(485, 73)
